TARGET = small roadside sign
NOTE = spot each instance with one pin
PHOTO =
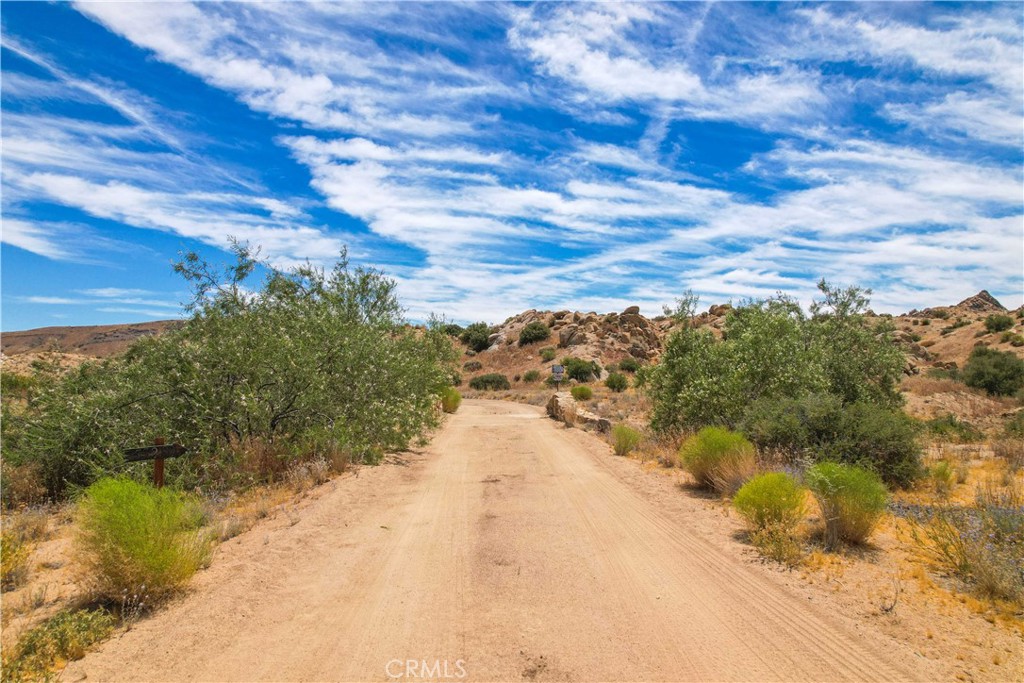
(157, 453)
(558, 371)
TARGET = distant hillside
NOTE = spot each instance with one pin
(98, 341)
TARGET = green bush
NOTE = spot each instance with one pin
(472, 366)
(997, 322)
(581, 370)
(771, 499)
(491, 381)
(624, 439)
(852, 500)
(310, 360)
(1014, 427)
(820, 426)
(547, 354)
(1000, 373)
(531, 376)
(582, 393)
(138, 540)
(629, 364)
(476, 335)
(451, 399)
(452, 330)
(718, 459)
(771, 349)
(1012, 339)
(617, 382)
(533, 333)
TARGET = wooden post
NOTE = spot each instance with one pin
(158, 466)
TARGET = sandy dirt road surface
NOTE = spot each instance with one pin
(511, 548)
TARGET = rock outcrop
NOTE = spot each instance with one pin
(564, 408)
(982, 302)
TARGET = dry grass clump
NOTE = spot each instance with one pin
(65, 636)
(625, 439)
(718, 459)
(852, 501)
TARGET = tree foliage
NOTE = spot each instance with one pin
(313, 360)
(771, 348)
(475, 336)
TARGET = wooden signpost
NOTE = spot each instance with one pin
(157, 453)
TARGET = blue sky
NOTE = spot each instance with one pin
(497, 157)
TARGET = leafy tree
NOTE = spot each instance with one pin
(771, 349)
(475, 336)
(313, 361)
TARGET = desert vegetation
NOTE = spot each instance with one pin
(313, 363)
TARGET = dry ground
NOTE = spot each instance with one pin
(519, 547)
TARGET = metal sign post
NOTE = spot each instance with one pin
(557, 374)
(157, 452)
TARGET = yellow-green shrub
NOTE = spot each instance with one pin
(852, 501)
(139, 540)
(768, 499)
(624, 439)
(718, 458)
(582, 393)
(65, 636)
(451, 399)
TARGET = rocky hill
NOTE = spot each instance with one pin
(941, 337)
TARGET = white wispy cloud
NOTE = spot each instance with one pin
(457, 157)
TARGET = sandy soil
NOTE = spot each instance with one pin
(510, 549)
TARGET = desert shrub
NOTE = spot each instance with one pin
(821, 427)
(531, 376)
(20, 484)
(1014, 427)
(1000, 373)
(491, 381)
(629, 364)
(15, 553)
(1012, 451)
(774, 498)
(1012, 339)
(311, 359)
(982, 545)
(950, 428)
(581, 370)
(852, 500)
(475, 336)
(718, 459)
(624, 439)
(472, 366)
(942, 477)
(547, 354)
(451, 399)
(582, 393)
(533, 333)
(952, 374)
(65, 636)
(770, 349)
(617, 382)
(133, 537)
(452, 329)
(997, 322)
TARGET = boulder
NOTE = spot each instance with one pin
(564, 408)
(632, 310)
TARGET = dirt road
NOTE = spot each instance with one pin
(509, 549)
